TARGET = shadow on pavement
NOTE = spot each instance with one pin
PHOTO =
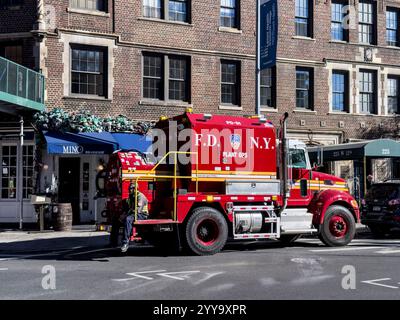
(96, 248)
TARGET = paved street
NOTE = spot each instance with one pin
(253, 270)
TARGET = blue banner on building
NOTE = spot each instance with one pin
(268, 33)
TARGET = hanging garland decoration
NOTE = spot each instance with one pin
(59, 120)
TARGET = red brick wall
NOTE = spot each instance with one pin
(206, 45)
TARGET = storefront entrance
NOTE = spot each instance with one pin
(69, 188)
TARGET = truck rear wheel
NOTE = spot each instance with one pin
(338, 228)
(206, 231)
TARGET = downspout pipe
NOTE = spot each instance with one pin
(284, 163)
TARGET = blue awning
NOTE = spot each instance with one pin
(95, 143)
(132, 142)
(80, 143)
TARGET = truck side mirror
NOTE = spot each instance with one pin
(304, 188)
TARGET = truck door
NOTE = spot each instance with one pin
(299, 175)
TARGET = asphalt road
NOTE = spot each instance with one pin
(243, 271)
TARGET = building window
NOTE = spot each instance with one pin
(99, 5)
(340, 91)
(87, 71)
(368, 92)
(267, 87)
(338, 16)
(393, 88)
(178, 79)
(304, 95)
(152, 77)
(366, 22)
(230, 82)
(9, 172)
(177, 70)
(152, 8)
(178, 10)
(392, 27)
(229, 14)
(172, 10)
(12, 52)
(303, 18)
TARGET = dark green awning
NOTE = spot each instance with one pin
(381, 148)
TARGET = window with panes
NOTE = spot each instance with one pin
(303, 15)
(304, 91)
(338, 15)
(230, 82)
(88, 76)
(267, 87)
(368, 90)
(393, 88)
(99, 5)
(229, 14)
(172, 10)
(392, 27)
(340, 90)
(166, 77)
(366, 22)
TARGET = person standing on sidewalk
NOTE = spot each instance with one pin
(129, 214)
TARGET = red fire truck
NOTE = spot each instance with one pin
(226, 177)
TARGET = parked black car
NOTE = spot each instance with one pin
(381, 207)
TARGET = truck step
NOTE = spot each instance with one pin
(155, 222)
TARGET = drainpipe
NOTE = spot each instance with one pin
(284, 163)
(21, 174)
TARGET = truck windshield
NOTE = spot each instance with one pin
(298, 158)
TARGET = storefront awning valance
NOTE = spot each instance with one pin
(80, 143)
(382, 148)
(94, 143)
(127, 141)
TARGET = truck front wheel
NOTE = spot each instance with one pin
(338, 228)
(206, 231)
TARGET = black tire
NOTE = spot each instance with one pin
(206, 231)
(288, 239)
(378, 232)
(339, 227)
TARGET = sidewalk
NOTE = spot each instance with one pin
(27, 241)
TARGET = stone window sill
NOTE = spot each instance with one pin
(89, 12)
(87, 97)
(339, 41)
(161, 103)
(305, 111)
(230, 107)
(268, 109)
(178, 23)
(304, 38)
(230, 30)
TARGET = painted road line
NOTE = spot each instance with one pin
(388, 251)
(345, 249)
(3, 269)
(374, 282)
(172, 275)
(136, 275)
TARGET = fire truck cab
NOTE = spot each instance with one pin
(222, 177)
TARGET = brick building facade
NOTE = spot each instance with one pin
(126, 32)
(337, 71)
